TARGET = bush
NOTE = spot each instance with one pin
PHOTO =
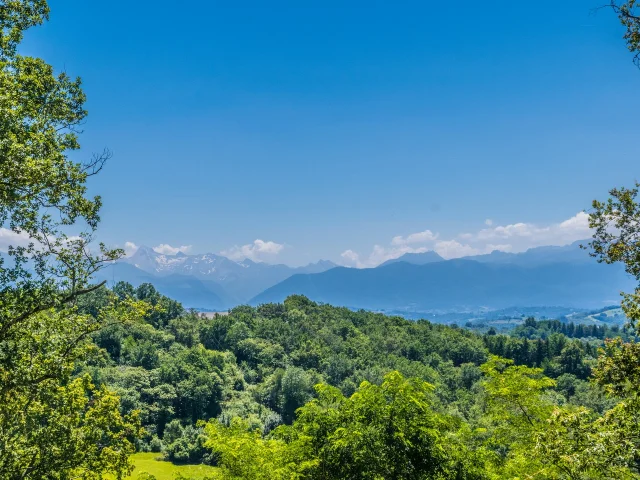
(156, 445)
(184, 444)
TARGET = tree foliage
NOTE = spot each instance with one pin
(629, 14)
(53, 424)
(42, 191)
(382, 431)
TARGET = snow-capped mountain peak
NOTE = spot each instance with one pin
(242, 279)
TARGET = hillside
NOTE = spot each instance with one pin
(537, 256)
(415, 259)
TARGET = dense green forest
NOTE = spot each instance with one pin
(300, 390)
(261, 382)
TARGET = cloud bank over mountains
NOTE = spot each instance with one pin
(131, 248)
(560, 271)
(258, 251)
(516, 237)
(167, 249)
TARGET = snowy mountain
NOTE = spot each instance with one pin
(233, 282)
(215, 267)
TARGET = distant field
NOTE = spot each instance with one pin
(213, 314)
(150, 463)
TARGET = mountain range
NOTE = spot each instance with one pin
(419, 282)
(207, 281)
(415, 258)
(545, 276)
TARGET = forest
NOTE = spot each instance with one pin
(304, 390)
(91, 374)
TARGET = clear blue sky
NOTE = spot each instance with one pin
(327, 128)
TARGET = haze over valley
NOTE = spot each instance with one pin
(414, 282)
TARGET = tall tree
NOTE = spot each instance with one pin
(52, 425)
(616, 224)
(42, 191)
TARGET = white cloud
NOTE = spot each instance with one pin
(10, 238)
(130, 248)
(527, 235)
(351, 258)
(504, 247)
(167, 249)
(488, 222)
(257, 251)
(378, 255)
(578, 223)
(420, 237)
(454, 249)
(381, 254)
(398, 247)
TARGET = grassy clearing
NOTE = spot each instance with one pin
(153, 464)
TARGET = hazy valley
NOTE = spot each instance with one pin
(544, 277)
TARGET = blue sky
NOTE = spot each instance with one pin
(329, 130)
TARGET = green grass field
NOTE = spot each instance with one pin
(153, 464)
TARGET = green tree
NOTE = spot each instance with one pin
(54, 425)
(516, 410)
(616, 224)
(629, 14)
(244, 454)
(42, 191)
(385, 431)
(571, 360)
(514, 394)
(576, 444)
(580, 444)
